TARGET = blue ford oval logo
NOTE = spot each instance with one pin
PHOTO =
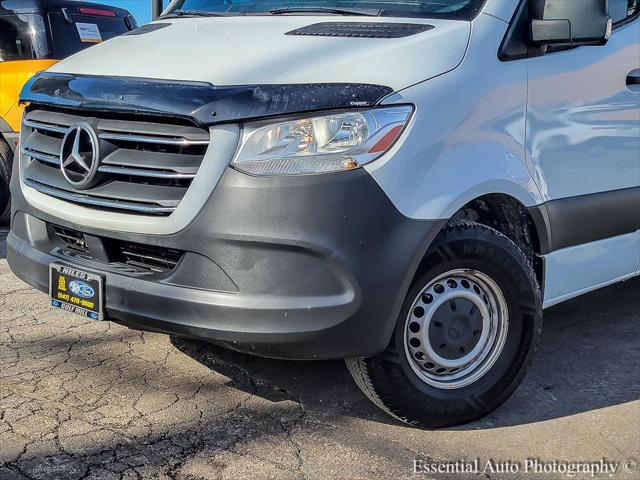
(81, 289)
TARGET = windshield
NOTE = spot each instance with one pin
(457, 9)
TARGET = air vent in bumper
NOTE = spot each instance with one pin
(116, 255)
(145, 167)
(74, 240)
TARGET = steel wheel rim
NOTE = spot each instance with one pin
(456, 329)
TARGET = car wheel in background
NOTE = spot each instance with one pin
(5, 174)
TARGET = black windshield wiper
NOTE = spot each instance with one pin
(192, 13)
(365, 12)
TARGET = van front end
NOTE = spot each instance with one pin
(287, 198)
(190, 239)
(389, 183)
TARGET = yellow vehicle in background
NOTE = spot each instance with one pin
(35, 34)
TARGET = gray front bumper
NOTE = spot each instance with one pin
(303, 268)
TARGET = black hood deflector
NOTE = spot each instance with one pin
(199, 102)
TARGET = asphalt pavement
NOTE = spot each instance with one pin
(94, 400)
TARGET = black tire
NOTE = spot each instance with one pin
(390, 381)
(5, 174)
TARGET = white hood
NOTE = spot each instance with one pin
(255, 50)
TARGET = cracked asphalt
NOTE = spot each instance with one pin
(90, 400)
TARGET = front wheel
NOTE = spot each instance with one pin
(466, 334)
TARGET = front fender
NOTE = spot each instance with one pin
(467, 136)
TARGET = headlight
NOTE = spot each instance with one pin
(320, 144)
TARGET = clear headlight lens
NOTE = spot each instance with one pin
(320, 144)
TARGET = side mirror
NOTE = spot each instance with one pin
(569, 22)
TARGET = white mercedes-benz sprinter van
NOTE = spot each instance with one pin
(406, 185)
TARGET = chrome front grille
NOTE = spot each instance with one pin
(144, 167)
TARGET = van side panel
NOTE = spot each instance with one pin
(568, 275)
(583, 119)
(584, 142)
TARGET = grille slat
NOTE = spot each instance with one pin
(177, 141)
(116, 189)
(43, 143)
(175, 162)
(45, 127)
(56, 119)
(147, 167)
(153, 129)
(43, 157)
(102, 203)
(140, 172)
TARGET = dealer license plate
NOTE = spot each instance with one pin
(76, 291)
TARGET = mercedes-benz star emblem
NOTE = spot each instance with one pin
(79, 156)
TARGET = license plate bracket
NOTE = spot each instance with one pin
(76, 291)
